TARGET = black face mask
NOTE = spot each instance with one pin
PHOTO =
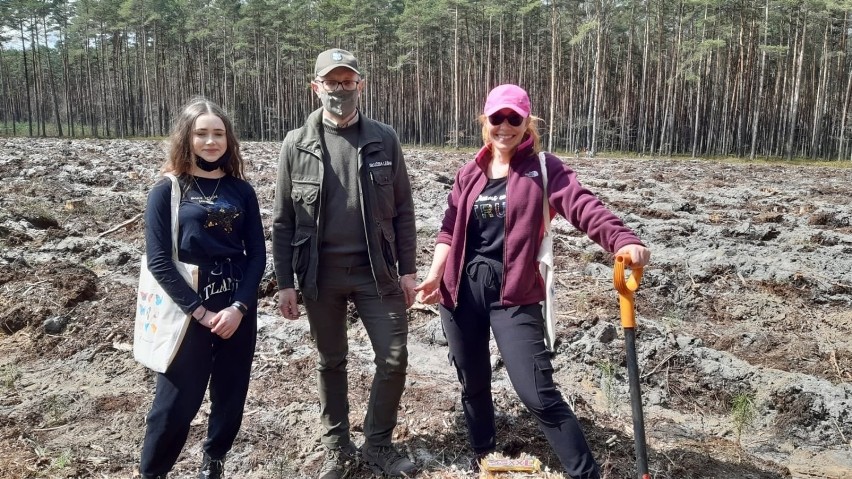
(214, 165)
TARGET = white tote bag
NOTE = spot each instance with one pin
(160, 323)
(545, 265)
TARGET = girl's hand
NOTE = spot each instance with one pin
(206, 316)
(226, 322)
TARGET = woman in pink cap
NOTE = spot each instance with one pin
(485, 273)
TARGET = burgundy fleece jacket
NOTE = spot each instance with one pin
(522, 283)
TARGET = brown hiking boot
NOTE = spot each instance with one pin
(339, 462)
(386, 460)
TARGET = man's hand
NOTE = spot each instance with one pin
(287, 304)
(407, 282)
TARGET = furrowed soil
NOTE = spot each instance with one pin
(744, 321)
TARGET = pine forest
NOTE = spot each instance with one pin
(747, 78)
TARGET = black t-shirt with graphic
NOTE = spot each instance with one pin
(219, 224)
(487, 226)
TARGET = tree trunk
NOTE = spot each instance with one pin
(699, 90)
(643, 87)
(756, 107)
(66, 70)
(419, 85)
(794, 98)
(667, 131)
(26, 78)
(844, 115)
(593, 105)
(38, 79)
(627, 90)
(104, 92)
(819, 102)
(6, 106)
(53, 93)
(554, 35)
(456, 99)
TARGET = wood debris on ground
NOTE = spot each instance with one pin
(497, 466)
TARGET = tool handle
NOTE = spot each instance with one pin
(639, 440)
(626, 288)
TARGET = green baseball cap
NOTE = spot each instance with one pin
(333, 58)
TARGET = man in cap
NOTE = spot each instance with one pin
(344, 227)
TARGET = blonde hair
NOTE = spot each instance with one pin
(180, 158)
(532, 131)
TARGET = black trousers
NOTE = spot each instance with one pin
(519, 332)
(203, 357)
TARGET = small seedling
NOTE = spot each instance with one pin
(743, 413)
(607, 370)
(9, 375)
(672, 318)
(586, 258)
(63, 461)
(581, 303)
(281, 468)
(54, 409)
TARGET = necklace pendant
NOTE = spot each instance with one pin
(207, 200)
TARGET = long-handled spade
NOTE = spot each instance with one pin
(626, 288)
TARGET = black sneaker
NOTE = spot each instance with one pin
(211, 468)
(386, 460)
(339, 462)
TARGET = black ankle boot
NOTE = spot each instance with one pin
(211, 468)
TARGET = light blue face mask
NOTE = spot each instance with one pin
(340, 103)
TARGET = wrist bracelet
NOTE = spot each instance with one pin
(202, 314)
(240, 307)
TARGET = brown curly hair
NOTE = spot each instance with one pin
(180, 158)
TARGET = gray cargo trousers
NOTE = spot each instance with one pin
(386, 323)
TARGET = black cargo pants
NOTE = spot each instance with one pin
(519, 332)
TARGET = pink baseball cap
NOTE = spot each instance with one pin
(508, 96)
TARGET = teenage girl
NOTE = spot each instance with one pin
(220, 230)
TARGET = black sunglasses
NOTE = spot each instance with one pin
(498, 119)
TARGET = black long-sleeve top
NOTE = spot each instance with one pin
(220, 228)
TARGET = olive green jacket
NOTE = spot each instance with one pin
(386, 206)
